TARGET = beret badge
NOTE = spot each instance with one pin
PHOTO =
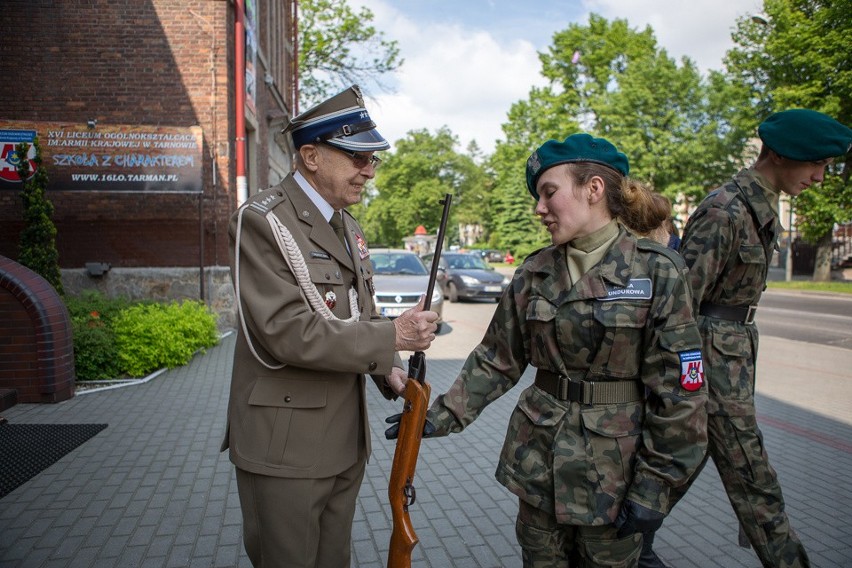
(533, 163)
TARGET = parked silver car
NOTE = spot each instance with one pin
(467, 276)
(400, 278)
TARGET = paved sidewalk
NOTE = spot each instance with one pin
(153, 490)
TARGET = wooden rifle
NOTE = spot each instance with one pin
(417, 391)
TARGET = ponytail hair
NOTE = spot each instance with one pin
(644, 210)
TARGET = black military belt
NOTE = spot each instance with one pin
(589, 392)
(744, 314)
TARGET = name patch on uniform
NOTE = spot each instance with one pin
(636, 289)
(363, 251)
(691, 370)
(320, 254)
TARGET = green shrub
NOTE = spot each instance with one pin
(93, 304)
(95, 351)
(152, 336)
(115, 337)
(37, 246)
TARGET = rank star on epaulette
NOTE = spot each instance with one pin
(691, 370)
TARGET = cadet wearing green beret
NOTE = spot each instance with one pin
(728, 243)
(616, 418)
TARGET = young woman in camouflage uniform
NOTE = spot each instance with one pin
(616, 417)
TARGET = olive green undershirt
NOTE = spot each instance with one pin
(585, 252)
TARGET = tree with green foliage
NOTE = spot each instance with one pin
(799, 58)
(37, 246)
(678, 129)
(412, 181)
(339, 47)
(530, 123)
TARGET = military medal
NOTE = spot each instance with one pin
(363, 251)
(330, 300)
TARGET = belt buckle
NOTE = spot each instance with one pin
(752, 311)
(570, 390)
(562, 387)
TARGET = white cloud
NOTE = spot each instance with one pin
(453, 75)
(457, 73)
(698, 29)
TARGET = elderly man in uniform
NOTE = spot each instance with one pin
(728, 244)
(308, 334)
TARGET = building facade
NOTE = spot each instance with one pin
(139, 107)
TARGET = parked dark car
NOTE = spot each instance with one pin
(400, 278)
(467, 276)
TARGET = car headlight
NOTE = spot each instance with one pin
(506, 281)
(469, 280)
(437, 295)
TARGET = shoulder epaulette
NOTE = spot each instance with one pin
(654, 246)
(264, 201)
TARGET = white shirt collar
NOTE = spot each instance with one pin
(317, 199)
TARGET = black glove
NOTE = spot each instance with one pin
(392, 433)
(634, 518)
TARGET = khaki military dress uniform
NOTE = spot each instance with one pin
(617, 408)
(297, 409)
(728, 244)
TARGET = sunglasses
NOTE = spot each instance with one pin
(360, 161)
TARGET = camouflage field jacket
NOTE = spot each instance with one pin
(727, 244)
(628, 318)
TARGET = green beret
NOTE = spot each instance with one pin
(575, 148)
(805, 135)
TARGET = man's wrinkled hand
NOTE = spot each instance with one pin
(634, 518)
(392, 433)
(415, 328)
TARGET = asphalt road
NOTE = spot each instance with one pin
(825, 319)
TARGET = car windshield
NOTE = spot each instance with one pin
(465, 261)
(397, 263)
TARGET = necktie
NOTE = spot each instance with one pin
(336, 223)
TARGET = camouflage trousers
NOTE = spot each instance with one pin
(736, 445)
(547, 544)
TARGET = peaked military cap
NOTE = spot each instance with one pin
(342, 121)
(575, 148)
(805, 135)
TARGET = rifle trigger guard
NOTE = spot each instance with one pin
(410, 494)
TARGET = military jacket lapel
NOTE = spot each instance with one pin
(613, 271)
(319, 231)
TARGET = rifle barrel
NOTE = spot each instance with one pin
(439, 245)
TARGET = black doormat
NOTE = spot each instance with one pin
(28, 449)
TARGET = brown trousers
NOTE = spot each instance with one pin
(299, 523)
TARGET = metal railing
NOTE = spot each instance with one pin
(841, 246)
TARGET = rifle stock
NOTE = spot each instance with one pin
(401, 491)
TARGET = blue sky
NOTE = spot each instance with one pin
(467, 61)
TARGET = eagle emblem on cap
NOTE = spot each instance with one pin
(534, 163)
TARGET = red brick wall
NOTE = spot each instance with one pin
(36, 348)
(153, 62)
